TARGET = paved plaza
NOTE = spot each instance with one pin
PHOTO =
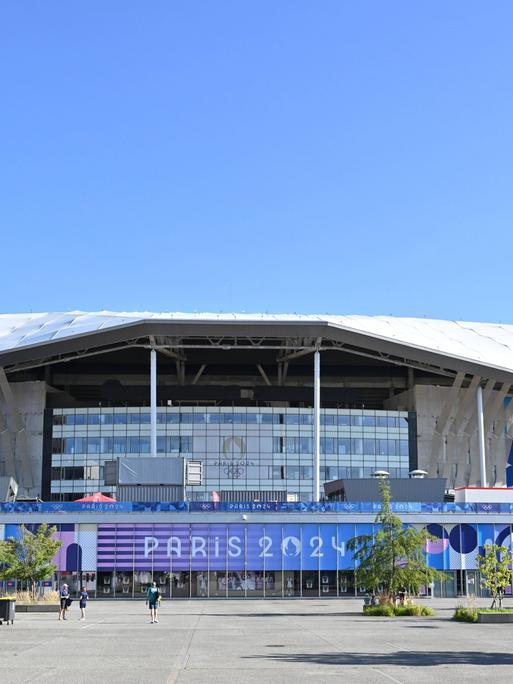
(252, 641)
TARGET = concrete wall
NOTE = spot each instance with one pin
(455, 453)
(26, 446)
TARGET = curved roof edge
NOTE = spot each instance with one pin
(483, 345)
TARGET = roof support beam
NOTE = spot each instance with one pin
(18, 435)
(443, 422)
(462, 418)
(263, 374)
(199, 374)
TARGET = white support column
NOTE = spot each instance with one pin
(481, 436)
(153, 402)
(317, 427)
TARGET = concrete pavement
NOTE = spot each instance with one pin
(251, 641)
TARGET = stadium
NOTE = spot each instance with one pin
(241, 452)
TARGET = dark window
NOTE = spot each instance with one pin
(57, 445)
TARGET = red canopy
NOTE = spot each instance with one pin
(97, 497)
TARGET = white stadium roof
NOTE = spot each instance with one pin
(485, 344)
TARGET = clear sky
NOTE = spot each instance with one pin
(257, 155)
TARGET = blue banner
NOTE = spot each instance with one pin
(409, 507)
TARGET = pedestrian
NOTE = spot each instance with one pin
(84, 597)
(152, 600)
(64, 597)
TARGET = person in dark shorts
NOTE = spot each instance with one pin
(152, 600)
(64, 597)
(84, 596)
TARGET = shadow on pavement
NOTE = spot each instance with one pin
(400, 658)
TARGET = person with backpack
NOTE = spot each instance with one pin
(84, 596)
(65, 601)
(152, 600)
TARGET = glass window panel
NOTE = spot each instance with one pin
(186, 443)
(403, 447)
(106, 446)
(344, 445)
(329, 419)
(306, 472)
(120, 419)
(292, 472)
(327, 445)
(93, 445)
(356, 446)
(57, 445)
(382, 445)
(344, 420)
(369, 421)
(119, 446)
(356, 420)
(93, 418)
(369, 447)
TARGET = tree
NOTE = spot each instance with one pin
(29, 558)
(495, 568)
(393, 558)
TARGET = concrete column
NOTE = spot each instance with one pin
(481, 436)
(153, 402)
(317, 427)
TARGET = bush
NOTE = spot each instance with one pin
(389, 610)
(384, 610)
(495, 610)
(413, 609)
(26, 597)
(464, 614)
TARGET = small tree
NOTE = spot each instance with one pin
(495, 568)
(29, 558)
(393, 558)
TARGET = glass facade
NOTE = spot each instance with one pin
(242, 449)
(245, 559)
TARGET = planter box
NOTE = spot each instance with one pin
(34, 608)
(494, 618)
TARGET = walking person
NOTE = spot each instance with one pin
(152, 600)
(84, 597)
(64, 597)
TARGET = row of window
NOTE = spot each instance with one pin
(342, 446)
(183, 444)
(362, 420)
(281, 472)
(121, 445)
(89, 472)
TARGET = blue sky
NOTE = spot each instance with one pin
(270, 155)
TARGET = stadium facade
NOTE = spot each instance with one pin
(217, 434)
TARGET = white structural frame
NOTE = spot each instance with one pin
(481, 435)
(153, 402)
(317, 427)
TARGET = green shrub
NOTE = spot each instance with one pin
(389, 610)
(412, 609)
(385, 610)
(464, 614)
(495, 610)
